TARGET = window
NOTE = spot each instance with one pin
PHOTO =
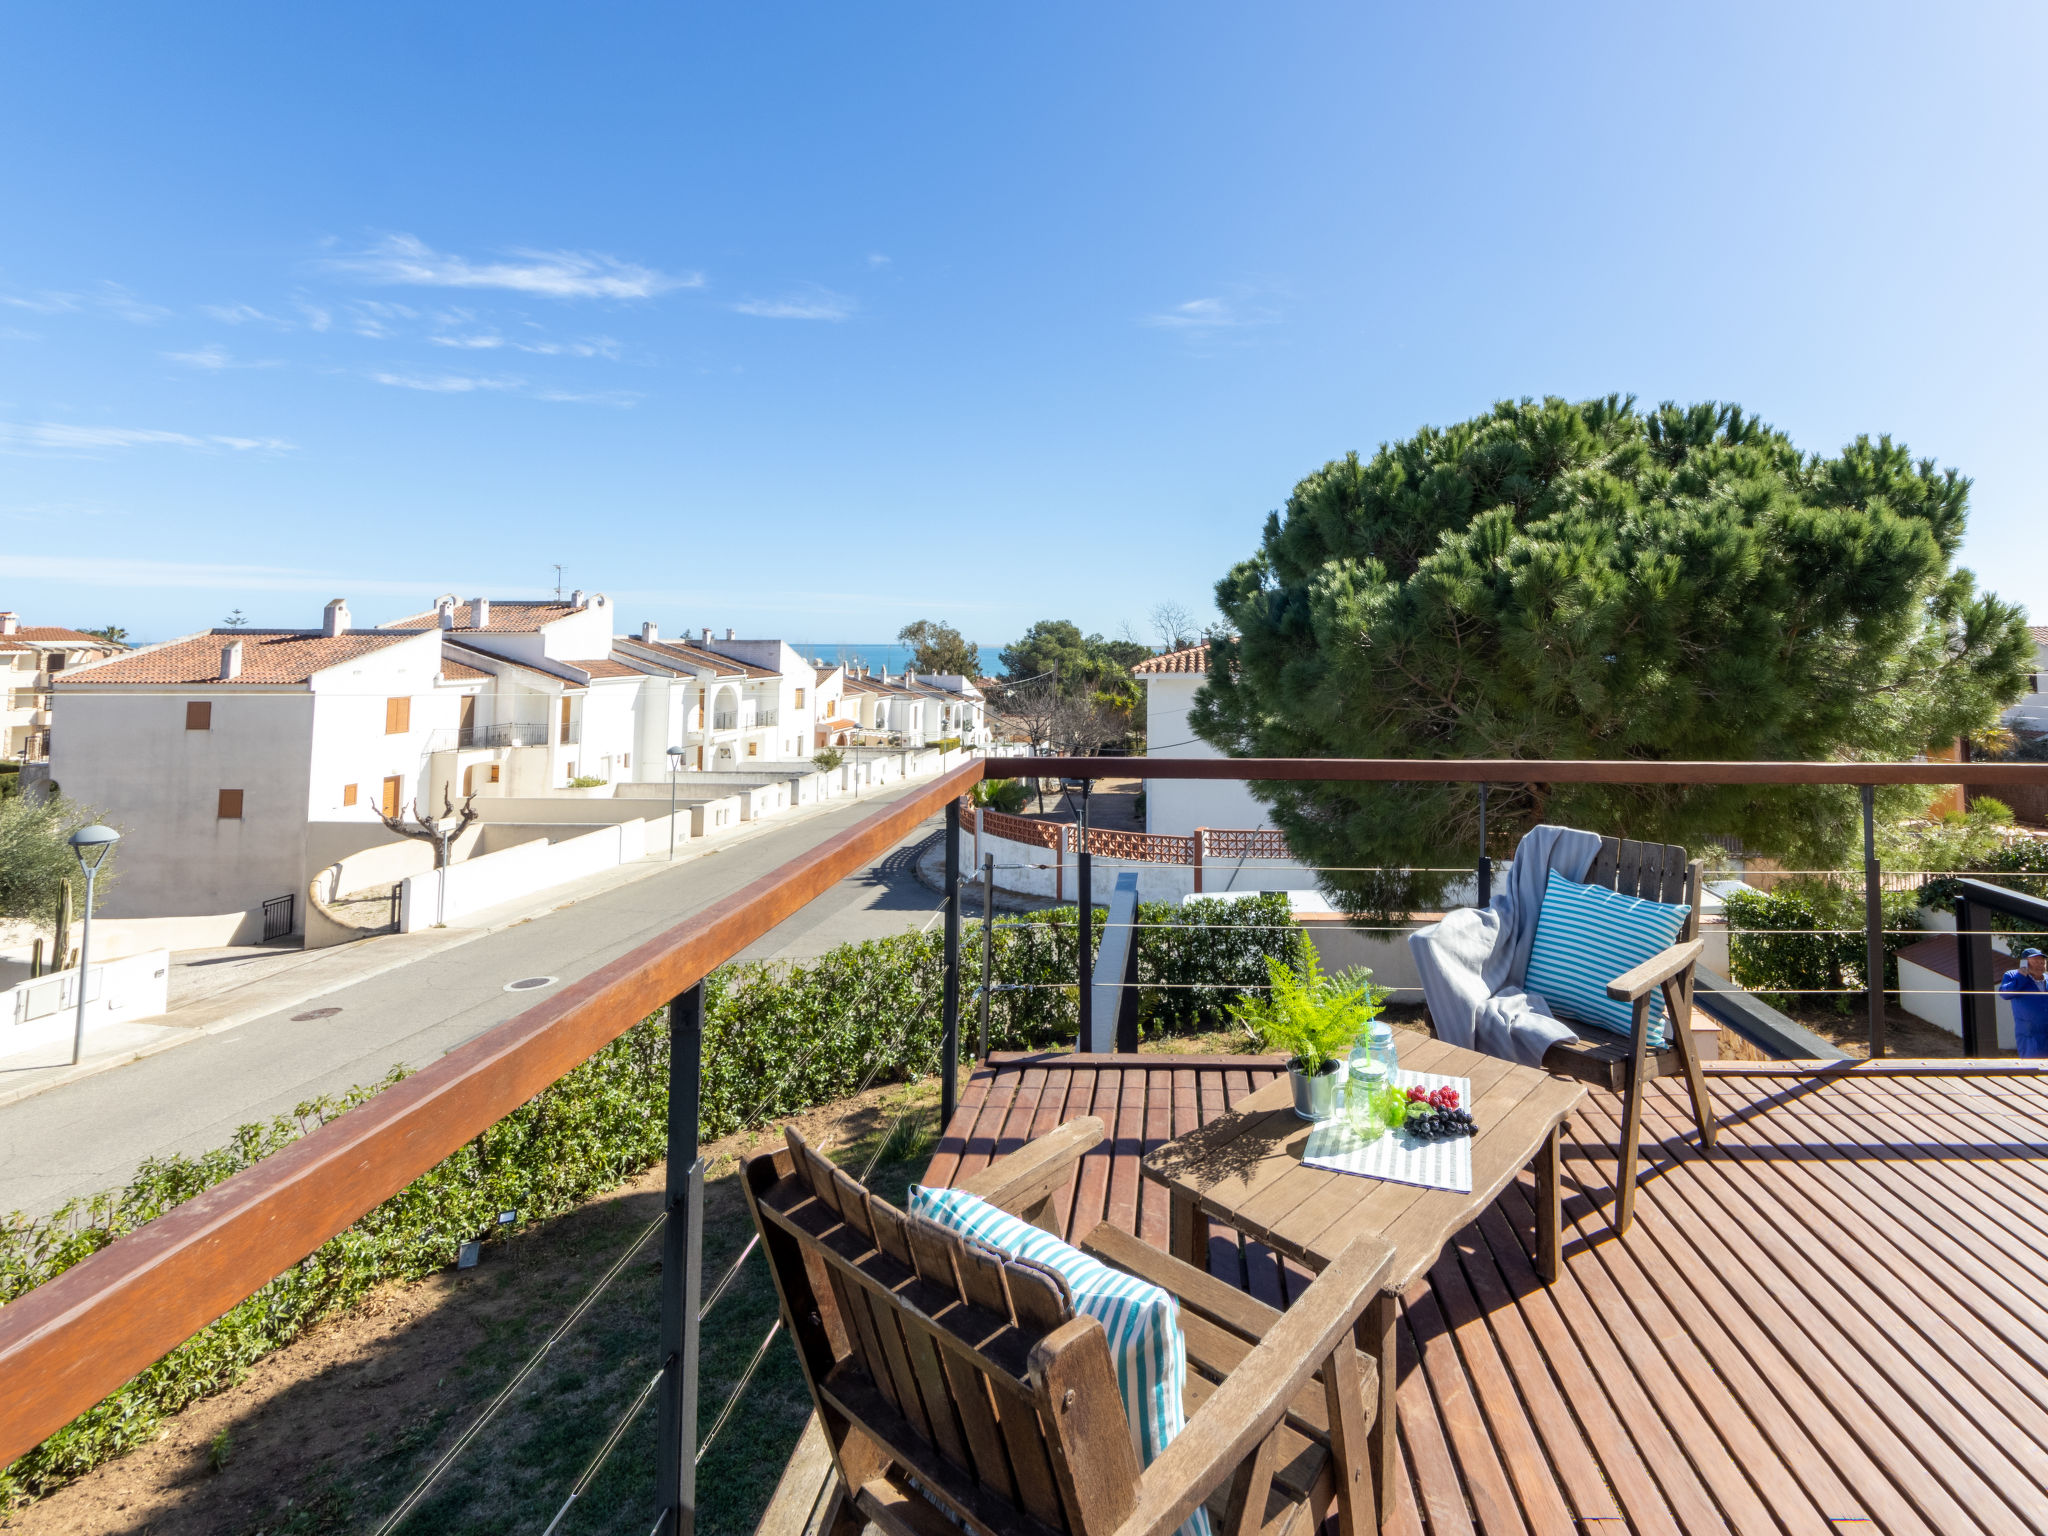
(391, 786)
(565, 722)
(230, 805)
(494, 773)
(753, 749)
(397, 716)
(198, 715)
(799, 698)
(625, 759)
(348, 794)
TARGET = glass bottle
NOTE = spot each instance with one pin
(1373, 1058)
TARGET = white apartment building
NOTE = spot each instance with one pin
(915, 709)
(1178, 806)
(238, 762)
(30, 655)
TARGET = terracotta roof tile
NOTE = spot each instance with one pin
(511, 618)
(605, 666)
(2039, 632)
(269, 656)
(1194, 659)
(693, 658)
(462, 672)
(55, 634)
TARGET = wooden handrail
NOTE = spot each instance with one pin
(71, 1341)
(1514, 770)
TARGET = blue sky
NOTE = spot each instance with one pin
(814, 320)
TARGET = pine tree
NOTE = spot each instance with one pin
(1592, 581)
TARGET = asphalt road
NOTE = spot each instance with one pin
(93, 1134)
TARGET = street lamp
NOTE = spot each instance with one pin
(675, 761)
(92, 845)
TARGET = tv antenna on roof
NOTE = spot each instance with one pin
(558, 583)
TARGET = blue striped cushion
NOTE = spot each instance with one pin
(1587, 936)
(1141, 1320)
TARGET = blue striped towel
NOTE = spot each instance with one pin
(1141, 1320)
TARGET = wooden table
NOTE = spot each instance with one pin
(1245, 1170)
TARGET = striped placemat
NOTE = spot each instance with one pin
(1405, 1159)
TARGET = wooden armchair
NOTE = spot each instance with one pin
(958, 1390)
(1655, 872)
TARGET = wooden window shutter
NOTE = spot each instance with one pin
(799, 698)
(494, 773)
(391, 786)
(348, 794)
(198, 715)
(468, 719)
(397, 716)
(230, 805)
(565, 722)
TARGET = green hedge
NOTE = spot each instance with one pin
(777, 1039)
(1789, 967)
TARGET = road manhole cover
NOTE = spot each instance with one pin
(314, 1013)
(528, 983)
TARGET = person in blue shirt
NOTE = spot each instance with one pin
(2027, 987)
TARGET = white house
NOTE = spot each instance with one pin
(30, 655)
(1178, 806)
(2031, 712)
(225, 757)
(915, 709)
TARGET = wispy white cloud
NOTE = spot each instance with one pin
(485, 341)
(407, 261)
(67, 437)
(120, 301)
(508, 384)
(447, 383)
(317, 319)
(1211, 314)
(111, 297)
(877, 259)
(242, 314)
(213, 358)
(102, 571)
(809, 303)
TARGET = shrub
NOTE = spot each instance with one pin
(1006, 795)
(777, 1039)
(828, 758)
(586, 781)
(1812, 948)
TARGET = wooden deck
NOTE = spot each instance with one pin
(1836, 1322)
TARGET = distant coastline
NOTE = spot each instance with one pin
(883, 656)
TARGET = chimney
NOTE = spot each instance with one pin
(9, 624)
(650, 632)
(707, 634)
(231, 659)
(576, 598)
(480, 613)
(335, 620)
(730, 635)
(444, 610)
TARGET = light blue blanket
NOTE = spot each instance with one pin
(1473, 962)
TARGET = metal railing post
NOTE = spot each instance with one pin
(682, 1270)
(949, 1043)
(988, 946)
(1084, 929)
(1485, 863)
(1873, 922)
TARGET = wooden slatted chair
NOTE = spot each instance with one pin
(1655, 872)
(959, 1391)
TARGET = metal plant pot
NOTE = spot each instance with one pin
(1315, 1098)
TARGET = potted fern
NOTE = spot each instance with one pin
(1315, 1018)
